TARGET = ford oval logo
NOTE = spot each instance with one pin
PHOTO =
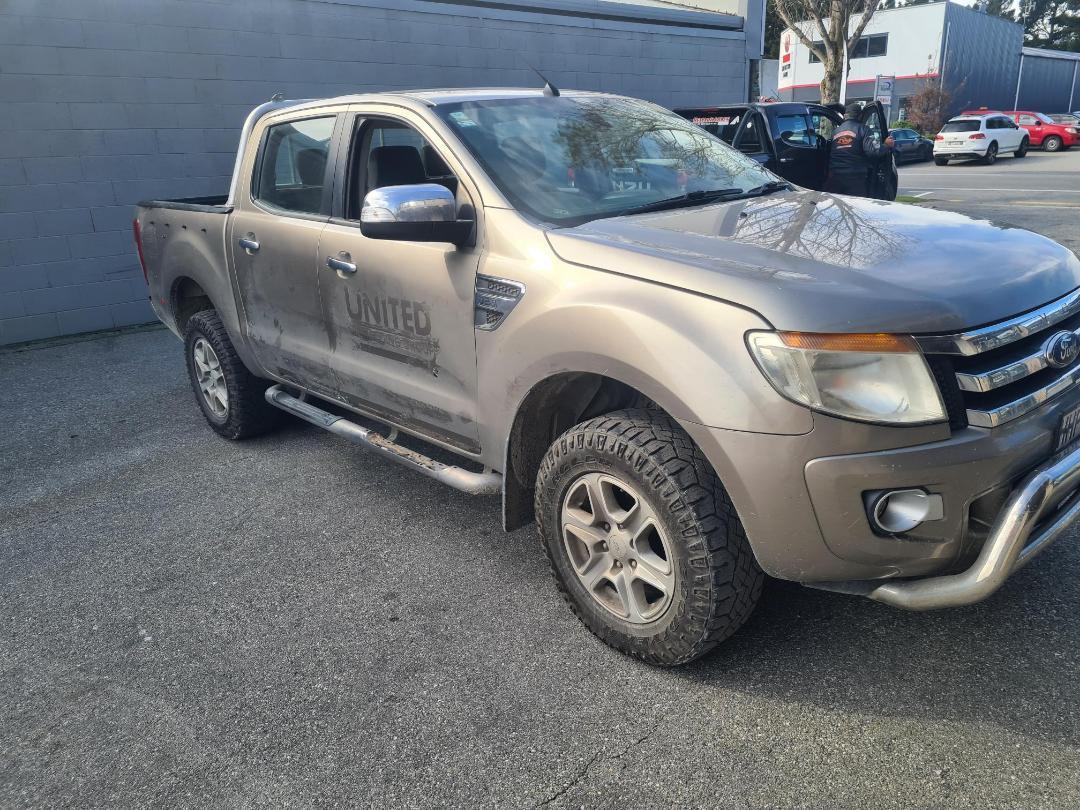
(1062, 349)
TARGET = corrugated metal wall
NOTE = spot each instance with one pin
(106, 102)
(1047, 83)
(982, 59)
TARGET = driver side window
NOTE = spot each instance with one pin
(390, 153)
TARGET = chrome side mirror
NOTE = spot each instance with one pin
(425, 212)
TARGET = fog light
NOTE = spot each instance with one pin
(901, 510)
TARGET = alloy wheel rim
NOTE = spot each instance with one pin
(210, 377)
(617, 549)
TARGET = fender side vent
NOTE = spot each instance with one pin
(494, 299)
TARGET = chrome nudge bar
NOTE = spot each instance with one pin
(1027, 525)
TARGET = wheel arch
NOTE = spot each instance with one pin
(186, 297)
(550, 407)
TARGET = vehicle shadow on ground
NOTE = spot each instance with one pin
(1010, 661)
(1002, 162)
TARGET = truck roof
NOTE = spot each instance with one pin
(437, 96)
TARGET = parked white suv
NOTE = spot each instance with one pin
(983, 137)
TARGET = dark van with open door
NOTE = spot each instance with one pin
(792, 139)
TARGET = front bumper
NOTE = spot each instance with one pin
(802, 500)
(1043, 506)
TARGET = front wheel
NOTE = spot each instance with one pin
(991, 155)
(1022, 150)
(230, 396)
(1052, 143)
(642, 538)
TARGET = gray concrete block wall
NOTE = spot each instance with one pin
(106, 102)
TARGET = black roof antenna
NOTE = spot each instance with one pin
(549, 88)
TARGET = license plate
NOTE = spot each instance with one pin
(1068, 428)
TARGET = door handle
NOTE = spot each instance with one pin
(786, 160)
(250, 245)
(341, 265)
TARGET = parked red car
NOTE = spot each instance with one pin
(1042, 129)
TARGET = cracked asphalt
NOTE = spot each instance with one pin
(189, 622)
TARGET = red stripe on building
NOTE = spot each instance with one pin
(861, 81)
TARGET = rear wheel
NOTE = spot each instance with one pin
(1052, 143)
(642, 538)
(230, 396)
(940, 161)
(991, 154)
(1022, 150)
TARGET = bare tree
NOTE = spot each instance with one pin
(831, 21)
(929, 105)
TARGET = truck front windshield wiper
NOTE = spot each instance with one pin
(690, 198)
(768, 188)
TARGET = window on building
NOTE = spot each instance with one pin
(869, 45)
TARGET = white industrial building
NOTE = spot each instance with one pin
(980, 60)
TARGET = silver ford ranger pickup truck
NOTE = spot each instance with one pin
(688, 372)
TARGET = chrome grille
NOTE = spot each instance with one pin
(1004, 371)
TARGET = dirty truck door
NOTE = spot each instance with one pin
(401, 322)
(273, 239)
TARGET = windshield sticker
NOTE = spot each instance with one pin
(462, 120)
(711, 119)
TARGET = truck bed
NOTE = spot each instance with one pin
(218, 204)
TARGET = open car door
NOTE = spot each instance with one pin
(753, 139)
(885, 180)
(823, 121)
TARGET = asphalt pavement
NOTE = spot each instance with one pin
(1040, 192)
(186, 622)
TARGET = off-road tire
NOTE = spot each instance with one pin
(718, 581)
(1052, 143)
(1022, 150)
(940, 161)
(248, 413)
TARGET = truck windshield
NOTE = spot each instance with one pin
(570, 159)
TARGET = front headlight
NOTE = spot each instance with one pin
(871, 378)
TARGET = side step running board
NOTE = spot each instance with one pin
(473, 483)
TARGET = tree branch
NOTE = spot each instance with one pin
(789, 21)
(871, 7)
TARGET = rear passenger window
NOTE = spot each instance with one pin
(293, 166)
(749, 140)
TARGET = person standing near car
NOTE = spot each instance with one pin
(854, 155)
